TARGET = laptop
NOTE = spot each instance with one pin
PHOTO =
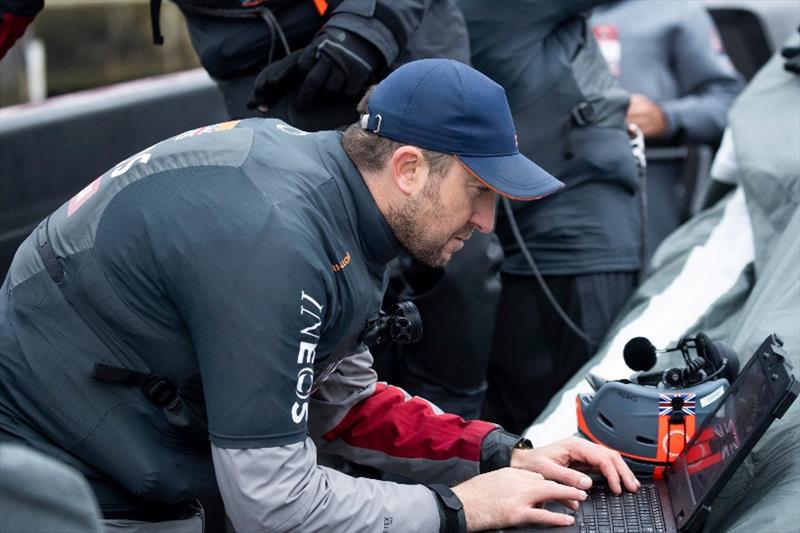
(681, 501)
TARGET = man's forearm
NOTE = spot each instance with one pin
(283, 489)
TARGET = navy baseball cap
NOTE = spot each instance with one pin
(449, 107)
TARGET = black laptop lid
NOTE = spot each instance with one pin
(763, 391)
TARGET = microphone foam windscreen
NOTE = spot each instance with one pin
(639, 354)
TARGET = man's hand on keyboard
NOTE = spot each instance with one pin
(512, 497)
(554, 461)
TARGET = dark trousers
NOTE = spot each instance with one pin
(534, 353)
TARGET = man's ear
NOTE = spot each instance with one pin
(409, 169)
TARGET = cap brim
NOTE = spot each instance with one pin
(514, 176)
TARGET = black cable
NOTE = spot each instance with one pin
(274, 28)
(637, 147)
(535, 269)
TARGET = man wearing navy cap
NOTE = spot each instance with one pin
(215, 287)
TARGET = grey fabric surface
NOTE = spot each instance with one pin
(39, 495)
(765, 122)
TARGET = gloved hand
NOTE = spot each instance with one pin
(275, 80)
(336, 63)
(792, 55)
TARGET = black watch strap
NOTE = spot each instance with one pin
(451, 510)
(497, 447)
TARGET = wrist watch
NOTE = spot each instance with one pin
(523, 444)
(451, 510)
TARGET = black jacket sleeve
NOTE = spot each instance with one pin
(387, 24)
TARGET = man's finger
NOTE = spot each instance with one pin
(608, 469)
(565, 475)
(622, 469)
(609, 463)
(543, 516)
(551, 490)
(627, 475)
(572, 504)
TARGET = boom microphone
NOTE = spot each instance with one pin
(639, 354)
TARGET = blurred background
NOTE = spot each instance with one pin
(79, 44)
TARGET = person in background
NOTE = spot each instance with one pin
(585, 241)
(668, 55)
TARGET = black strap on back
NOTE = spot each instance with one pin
(155, 388)
(48, 256)
(155, 21)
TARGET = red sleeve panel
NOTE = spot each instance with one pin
(391, 422)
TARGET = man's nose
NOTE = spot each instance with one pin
(483, 216)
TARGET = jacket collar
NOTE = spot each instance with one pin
(373, 231)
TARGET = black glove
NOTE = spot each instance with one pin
(792, 55)
(275, 80)
(339, 63)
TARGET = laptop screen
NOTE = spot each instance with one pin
(723, 432)
(728, 434)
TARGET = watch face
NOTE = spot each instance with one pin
(523, 444)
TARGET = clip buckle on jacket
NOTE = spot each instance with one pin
(580, 115)
(159, 392)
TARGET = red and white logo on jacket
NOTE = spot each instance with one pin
(607, 37)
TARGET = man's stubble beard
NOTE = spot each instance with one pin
(408, 225)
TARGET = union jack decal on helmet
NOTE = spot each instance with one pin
(665, 403)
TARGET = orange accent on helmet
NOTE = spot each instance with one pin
(674, 445)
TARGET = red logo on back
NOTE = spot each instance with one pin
(79, 199)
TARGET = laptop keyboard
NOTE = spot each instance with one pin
(606, 512)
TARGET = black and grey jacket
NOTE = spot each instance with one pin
(233, 38)
(570, 118)
(239, 262)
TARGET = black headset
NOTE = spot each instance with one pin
(712, 360)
